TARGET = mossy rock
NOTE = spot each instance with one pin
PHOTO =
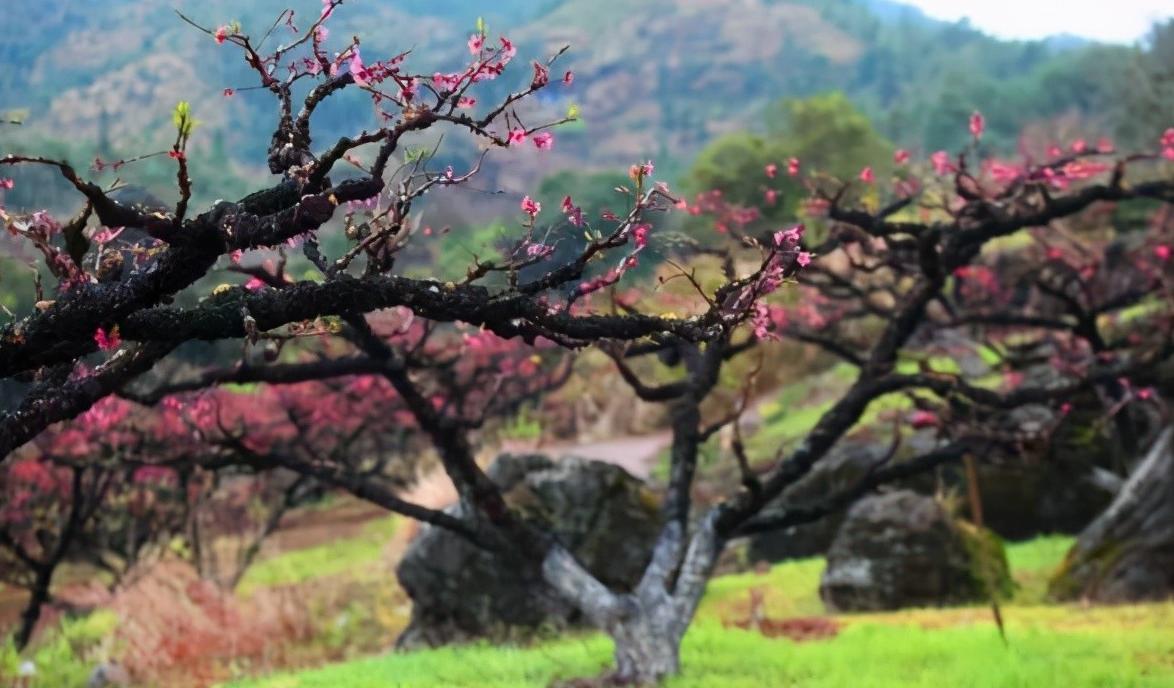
(602, 514)
(901, 549)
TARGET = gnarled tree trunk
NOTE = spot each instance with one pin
(648, 624)
(1127, 553)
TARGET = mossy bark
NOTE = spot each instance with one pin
(1127, 554)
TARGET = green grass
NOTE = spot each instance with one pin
(864, 654)
(1103, 646)
(1033, 563)
(346, 554)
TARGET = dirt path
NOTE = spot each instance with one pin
(635, 454)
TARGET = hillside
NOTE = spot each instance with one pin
(658, 78)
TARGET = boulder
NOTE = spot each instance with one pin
(1060, 489)
(901, 549)
(602, 514)
(842, 468)
(1127, 553)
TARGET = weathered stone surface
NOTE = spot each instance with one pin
(902, 549)
(1127, 553)
(1059, 490)
(837, 472)
(606, 517)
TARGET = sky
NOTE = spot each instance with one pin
(1117, 21)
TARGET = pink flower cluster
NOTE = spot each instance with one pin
(573, 212)
(107, 340)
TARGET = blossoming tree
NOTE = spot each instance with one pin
(385, 349)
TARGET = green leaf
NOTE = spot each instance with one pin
(181, 116)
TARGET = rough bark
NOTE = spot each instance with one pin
(1127, 554)
(647, 625)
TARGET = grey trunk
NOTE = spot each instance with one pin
(647, 624)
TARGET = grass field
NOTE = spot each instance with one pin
(1047, 645)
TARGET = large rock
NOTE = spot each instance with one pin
(1127, 554)
(606, 517)
(1059, 488)
(838, 471)
(902, 549)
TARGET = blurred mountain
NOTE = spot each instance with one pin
(654, 79)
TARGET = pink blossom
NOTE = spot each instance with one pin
(568, 78)
(1105, 146)
(803, 258)
(1168, 138)
(789, 238)
(531, 207)
(6, 183)
(1079, 146)
(476, 43)
(1065, 408)
(904, 188)
(544, 140)
(867, 176)
(107, 340)
(327, 9)
(466, 102)
(640, 235)
(1003, 173)
(236, 255)
(1163, 252)
(408, 90)
(977, 125)
(771, 170)
(901, 156)
(538, 250)
(517, 136)
(574, 213)
(921, 419)
(541, 76)
(221, 34)
(107, 235)
(770, 197)
(358, 70)
(761, 321)
(254, 284)
(447, 82)
(647, 169)
(508, 51)
(1082, 169)
(793, 167)
(941, 163)
(1145, 393)
(228, 93)
(1168, 153)
(1056, 179)
(1055, 151)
